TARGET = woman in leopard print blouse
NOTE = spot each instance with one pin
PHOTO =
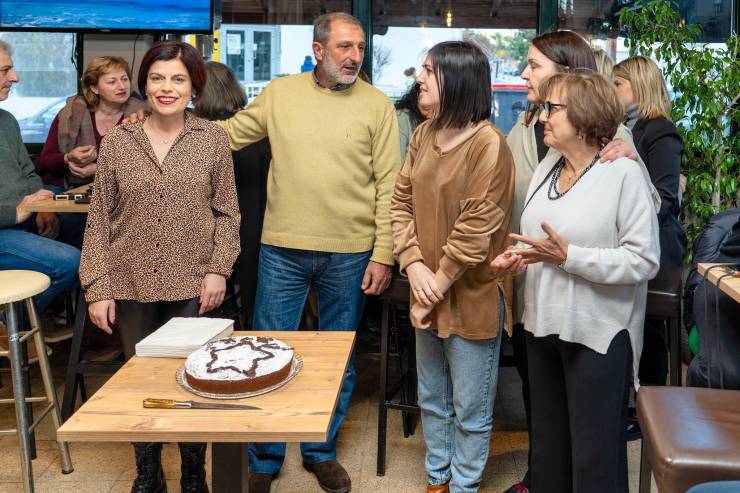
(163, 229)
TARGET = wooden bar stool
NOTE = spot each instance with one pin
(20, 285)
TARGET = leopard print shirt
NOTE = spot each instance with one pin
(155, 230)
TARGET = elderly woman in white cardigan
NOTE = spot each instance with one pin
(589, 244)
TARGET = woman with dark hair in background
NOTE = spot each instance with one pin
(410, 114)
(162, 232)
(220, 99)
(450, 214)
(549, 54)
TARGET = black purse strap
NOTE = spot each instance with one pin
(547, 177)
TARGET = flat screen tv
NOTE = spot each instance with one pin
(153, 16)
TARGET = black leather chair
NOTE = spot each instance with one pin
(664, 304)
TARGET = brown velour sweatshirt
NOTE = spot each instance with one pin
(452, 211)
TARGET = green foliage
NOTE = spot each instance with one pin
(706, 83)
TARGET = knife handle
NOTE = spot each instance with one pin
(160, 403)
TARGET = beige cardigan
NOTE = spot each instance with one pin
(523, 144)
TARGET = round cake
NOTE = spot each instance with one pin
(238, 364)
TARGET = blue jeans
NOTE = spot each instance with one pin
(457, 387)
(24, 250)
(283, 281)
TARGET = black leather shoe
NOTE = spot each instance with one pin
(331, 476)
(260, 483)
(149, 474)
(193, 468)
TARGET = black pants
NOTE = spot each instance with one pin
(519, 345)
(136, 320)
(579, 415)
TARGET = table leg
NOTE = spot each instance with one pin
(229, 468)
(73, 380)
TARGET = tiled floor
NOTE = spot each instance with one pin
(110, 467)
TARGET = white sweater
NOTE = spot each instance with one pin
(609, 221)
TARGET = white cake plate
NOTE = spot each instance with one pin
(295, 367)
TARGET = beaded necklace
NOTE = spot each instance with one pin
(552, 191)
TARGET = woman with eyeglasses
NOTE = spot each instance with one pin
(588, 244)
(450, 214)
(549, 54)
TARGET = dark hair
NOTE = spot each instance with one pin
(222, 94)
(569, 51)
(171, 50)
(464, 81)
(409, 102)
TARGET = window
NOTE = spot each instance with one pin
(47, 77)
(399, 53)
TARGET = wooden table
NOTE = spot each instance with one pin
(300, 411)
(51, 205)
(729, 285)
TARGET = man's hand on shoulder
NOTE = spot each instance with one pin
(377, 278)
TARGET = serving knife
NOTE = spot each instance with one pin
(173, 404)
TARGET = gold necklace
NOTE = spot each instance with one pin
(164, 139)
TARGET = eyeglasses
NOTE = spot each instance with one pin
(548, 107)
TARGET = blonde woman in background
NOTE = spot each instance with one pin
(644, 95)
(604, 63)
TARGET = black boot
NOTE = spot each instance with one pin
(193, 479)
(149, 474)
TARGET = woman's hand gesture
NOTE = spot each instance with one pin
(507, 264)
(552, 249)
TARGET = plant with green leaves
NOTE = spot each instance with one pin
(706, 84)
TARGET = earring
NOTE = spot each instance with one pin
(580, 136)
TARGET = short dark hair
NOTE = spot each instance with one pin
(322, 25)
(464, 80)
(171, 50)
(222, 95)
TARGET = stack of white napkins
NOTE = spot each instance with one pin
(182, 335)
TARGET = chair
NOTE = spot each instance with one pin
(15, 286)
(690, 436)
(81, 363)
(664, 304)
(397, 295)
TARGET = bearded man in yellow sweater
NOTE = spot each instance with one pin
(335, 156)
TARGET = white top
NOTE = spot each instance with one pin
(239, 358)
(610, 223)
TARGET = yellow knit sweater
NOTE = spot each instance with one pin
(335, 156)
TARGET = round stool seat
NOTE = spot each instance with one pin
(17, 285)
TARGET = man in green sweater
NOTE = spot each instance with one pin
(335, 156)
(26, 239)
